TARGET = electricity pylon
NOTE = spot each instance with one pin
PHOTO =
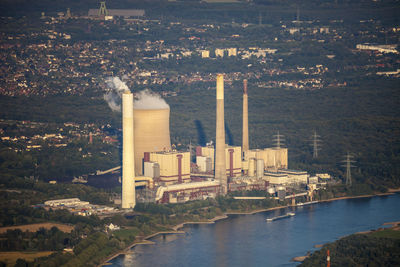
(316, 144)
(348, 165)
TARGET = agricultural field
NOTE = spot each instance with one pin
(11, 257)
(36, 226)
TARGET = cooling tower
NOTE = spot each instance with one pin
(220, 168)
(245, 128)
(151, 133)
(128, 159)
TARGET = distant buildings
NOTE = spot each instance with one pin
(78, 207)
(125, 13)
(379, 48)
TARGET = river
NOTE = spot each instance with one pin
(248, 240)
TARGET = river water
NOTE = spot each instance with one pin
(249, 240)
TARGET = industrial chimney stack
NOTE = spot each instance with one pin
(220, 168)
(245, 127)
(128, 158)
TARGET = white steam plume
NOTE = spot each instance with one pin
(143, 100)
(148, 100)
(113, 97)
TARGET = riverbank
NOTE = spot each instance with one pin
(358, 248)
(393, 226)
(390, 192)
(145, 240)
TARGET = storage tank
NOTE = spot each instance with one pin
(280, 188)
(151, 133)
(271, 190)
(151, 169)
(201, 163)
(204, 163)
(252, 167)
(260, 168)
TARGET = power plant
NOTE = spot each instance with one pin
(162, 175)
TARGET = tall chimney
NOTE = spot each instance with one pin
(245, 133)
(220, 168)
(128, 158)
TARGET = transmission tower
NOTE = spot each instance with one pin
(278, 139)
(103, 9)
(68, 15)
(260, 19)
(348, 165)
(316, 144)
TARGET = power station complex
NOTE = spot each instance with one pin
(169, 176)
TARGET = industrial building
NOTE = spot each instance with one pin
(66, 202)
(274, 158)
(169, 176)
(233, 159)
(174, 167)
(76, 206)
(185, 192)
(286, 177)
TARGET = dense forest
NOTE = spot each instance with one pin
(381, 248)
(362, 119)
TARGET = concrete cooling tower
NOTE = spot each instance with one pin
(151, 133)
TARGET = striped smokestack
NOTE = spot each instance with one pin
(245, 133)
(220, 168)
(128, 158)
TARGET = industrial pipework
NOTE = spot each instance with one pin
(220, 168)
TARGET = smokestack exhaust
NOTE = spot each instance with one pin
(245, 127)
(128, 158)
(220, 168)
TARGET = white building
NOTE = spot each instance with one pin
(66, 202)
(380, 48)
